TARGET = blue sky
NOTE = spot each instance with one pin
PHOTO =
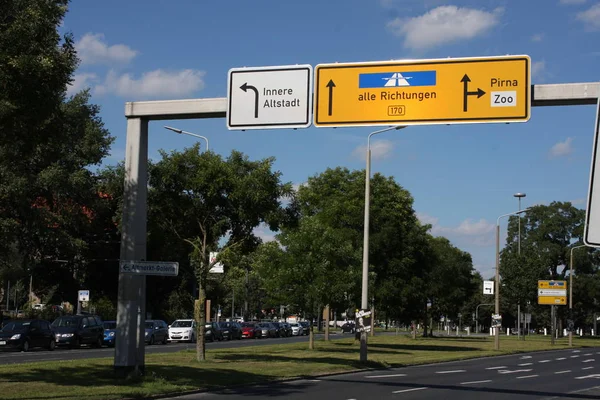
(462, 177)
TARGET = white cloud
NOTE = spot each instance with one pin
(427, 219)
(579, 202)
(470, 228)
(158, 83)
(562, 148)
(537, 69)
(569, 2)
(591, 17)
(380, 150)
(468, 232)
(262, 231)
(443, 25)
(92, 49)
(538, 37)
(80, 82)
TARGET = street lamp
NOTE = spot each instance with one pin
(571, 291)
(519, 196)
(365, 270)
(188, 133)
(497, 284)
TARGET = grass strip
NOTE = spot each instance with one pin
(180, 372)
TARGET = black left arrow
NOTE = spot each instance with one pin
(465, 80)
(330, 85)
(245, 88)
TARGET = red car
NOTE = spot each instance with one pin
(250, 330)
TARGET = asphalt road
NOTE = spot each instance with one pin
(561, 374)
(37, 355)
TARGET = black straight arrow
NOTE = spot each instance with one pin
(245, 88)
(330, 85)
(465, 80)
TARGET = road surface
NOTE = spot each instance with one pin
(561, 374)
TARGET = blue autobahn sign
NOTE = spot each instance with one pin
(164, 268)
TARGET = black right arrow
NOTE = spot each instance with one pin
(465, 80)
(330, 85)
(245, 88)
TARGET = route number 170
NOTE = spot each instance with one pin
(503, 99)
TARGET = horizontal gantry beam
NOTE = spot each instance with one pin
(561, 94)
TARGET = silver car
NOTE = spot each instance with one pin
(297, 329)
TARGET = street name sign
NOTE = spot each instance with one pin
(165, 268)
(591, 236)
(269, 97)
(552, 293)
(423, 92)
(488, 287)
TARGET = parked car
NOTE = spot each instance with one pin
(75, 330)
(25, 334)
(349, 327)
(267, 330)
(212, 331)
(297, 329)
(288, 329)
(231, 330)
(280, 329)
(250, 330)
(182, 330)
(110, 332)
(156, 331)
(305, 327)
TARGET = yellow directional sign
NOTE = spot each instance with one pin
(423, 92)
(552, 293)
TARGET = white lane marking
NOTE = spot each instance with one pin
(525, 357)
(587, 354)
(576, 351)
(574, 356)
(500, 367)
(596, 376)
(313, 380)
(527, 376)
(587, 368)
(561, 358)
(454, 371)
(507, 371)
(524, 364)
(410, 390)
(563, 372)
(544, 361)
(589, 360)
(475, 382)
(384, 376)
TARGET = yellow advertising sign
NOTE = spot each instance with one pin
(423, 92)
(553, 300)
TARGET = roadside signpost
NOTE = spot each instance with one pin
(423, 92)
(269, 97)
(552, 293)
(164, 268)
(591, 235)
(488, 287)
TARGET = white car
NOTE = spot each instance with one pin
(182, 330)
(297, 329)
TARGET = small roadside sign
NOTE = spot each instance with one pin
(217, 267)
(164, 268)
(488, 287)
(269, 97)
(423, 92)
(83, 295)
(591, 236)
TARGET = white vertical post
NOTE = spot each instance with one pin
(131, 303)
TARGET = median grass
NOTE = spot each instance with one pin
(180, 372)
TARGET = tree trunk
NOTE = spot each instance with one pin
(200, 317)
(425, 323)
(327, 323)
(311, 337)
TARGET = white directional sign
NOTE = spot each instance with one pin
(269, 97)
(488, 287)
(591, 236)
(552, 292)
(83, 295)
(167, 268)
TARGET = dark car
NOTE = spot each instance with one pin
(250, 330)
(26, 334)
(157, 331)
(231, 330)
(110, 332)
(288, 329)
(75, 330)
(280, 329)
(305, 327)
(349, 327)
(212, 331)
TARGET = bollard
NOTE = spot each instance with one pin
(545, 331)
(507, 331)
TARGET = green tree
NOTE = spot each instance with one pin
(47, 146)
(213, 204)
